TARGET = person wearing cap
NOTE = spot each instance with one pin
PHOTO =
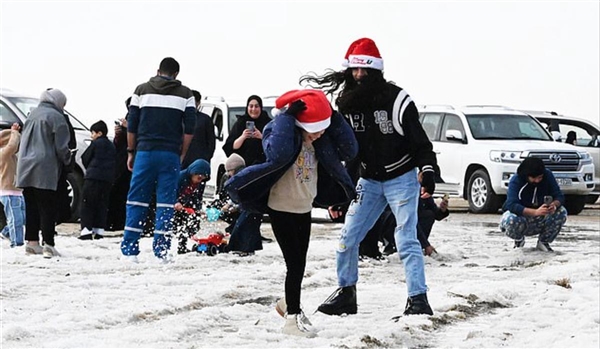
(393, 149)
(533, 206)
(188, 207)
(160, 126)
(304, 147)
(43, 154)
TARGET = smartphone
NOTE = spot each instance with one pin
(250, 125)
(547, 200)
(446, 197)
(117, 122)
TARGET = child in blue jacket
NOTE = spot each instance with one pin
(188, 207)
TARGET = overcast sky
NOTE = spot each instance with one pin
(535, 55)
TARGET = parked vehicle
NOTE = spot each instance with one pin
(480, 147)
(588, 135)
(15, 107)
(224, 114)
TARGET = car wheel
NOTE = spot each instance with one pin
(591, 199)
(75, 187)
(480, 194)
(575, 204)
(212, 250)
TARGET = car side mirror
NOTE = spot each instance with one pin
(454, 135)
(556, 136)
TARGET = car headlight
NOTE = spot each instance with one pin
(505, 156)
(585, 157)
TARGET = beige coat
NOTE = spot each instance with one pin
(9, 145)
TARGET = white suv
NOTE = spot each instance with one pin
(15, 107)
(588, 135)
(224, 114)
(479, 148)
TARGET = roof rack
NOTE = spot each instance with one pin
(213, 98)
(541, 112)
(488, 106)
(425, 106)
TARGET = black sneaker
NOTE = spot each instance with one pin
(519, 243)
(418, 305)
(544, 246)
(341, 301)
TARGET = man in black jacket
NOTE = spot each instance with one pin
(203, 142)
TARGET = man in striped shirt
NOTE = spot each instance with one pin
(160, 128)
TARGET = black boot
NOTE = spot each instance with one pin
(417, 305)
(342, 301)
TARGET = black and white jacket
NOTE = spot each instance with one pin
(391, 140)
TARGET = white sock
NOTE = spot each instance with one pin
(98, 231)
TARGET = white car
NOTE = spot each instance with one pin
(224, 114)
(588, 138)
(15, 107)
(479, 148)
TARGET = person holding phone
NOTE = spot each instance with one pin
(245, 139)
(534, 205)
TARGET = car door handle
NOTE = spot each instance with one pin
(437, 151)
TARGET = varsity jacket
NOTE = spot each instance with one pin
(391, 140)
(282, 142)
(161, 111)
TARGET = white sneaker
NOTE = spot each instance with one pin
(295, 326)
(544, 246)
(130, 259)
(281, 308)
(49, 251)
(33, 249)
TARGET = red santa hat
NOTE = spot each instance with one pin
(363, 53)
(317, 115)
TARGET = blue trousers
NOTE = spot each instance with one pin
(14, 210)
(153, 172)
(402, 194)
(547, 227)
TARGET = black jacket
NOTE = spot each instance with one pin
(203, 143)
(99, 160)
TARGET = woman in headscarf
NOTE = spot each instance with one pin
(245, 137)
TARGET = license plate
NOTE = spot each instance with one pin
(564, 181)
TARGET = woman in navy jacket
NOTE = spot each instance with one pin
(533, 205)
(304, 149)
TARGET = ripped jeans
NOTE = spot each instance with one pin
(402, 194)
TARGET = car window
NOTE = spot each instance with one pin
(7, 117)
(27, 104)
(431, 123)
(452, 122)
(491, 126)
(217, 117)
(583, 131)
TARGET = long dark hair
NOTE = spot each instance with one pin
(372, 90)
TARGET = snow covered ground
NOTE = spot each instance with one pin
(484, 294)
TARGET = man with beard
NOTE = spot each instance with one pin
(392, 144)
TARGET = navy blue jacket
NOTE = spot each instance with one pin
(523, 194)
(282, 142)
(99, 160)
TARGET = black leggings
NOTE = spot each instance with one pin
(41, 206)
(292, 231)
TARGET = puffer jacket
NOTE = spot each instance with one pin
(282, 142)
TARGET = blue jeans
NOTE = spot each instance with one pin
(547, 227)
(153, 171)
(402, 194)
(14, 210)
